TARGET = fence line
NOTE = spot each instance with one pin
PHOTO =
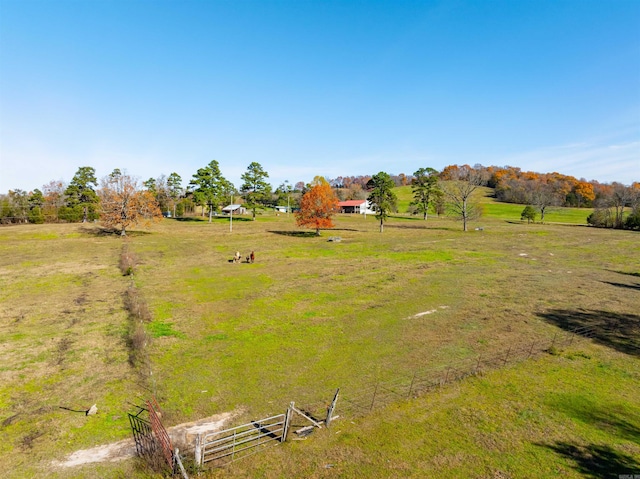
(223, 447)
(360, 402)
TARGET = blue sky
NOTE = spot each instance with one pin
(310, 88)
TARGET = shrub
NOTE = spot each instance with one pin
(601, 218)
(128, 261)
(528, 213)
(633, 221)
(70, 214)
(136, 305)
(36, 216)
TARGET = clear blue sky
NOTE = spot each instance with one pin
(310, 88)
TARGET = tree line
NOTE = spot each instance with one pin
(448, 191)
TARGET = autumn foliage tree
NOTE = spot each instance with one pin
(317, 206)
(124, 204)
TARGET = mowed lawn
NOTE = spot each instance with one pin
(310, 315)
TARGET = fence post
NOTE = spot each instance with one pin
(176, 460)
(446, 377)
(506, 357)
(553, 343)
(198, 452)
(332, 406)
(373, 400)
(478, 364)
(287, 422)
(411, 386)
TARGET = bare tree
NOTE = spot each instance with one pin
(621, 196)
(458, 193)
(542, 196)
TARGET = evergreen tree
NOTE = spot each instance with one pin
(528, 213)
(256, 191)
(209, 187)
(425, 189)
(381, 196)
(81, 194)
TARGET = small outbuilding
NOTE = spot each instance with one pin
(362, 207)
(235, 209)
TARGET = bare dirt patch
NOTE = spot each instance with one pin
(181, 434)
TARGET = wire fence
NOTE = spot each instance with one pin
(359, 402)
(362, 401)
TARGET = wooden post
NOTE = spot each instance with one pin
(332, 406)
(447, 375)
(198, 452)
(553, 343)
(287, 422)
(373, 400)
(411, 386)
(176, 459)
(478, 364)
(310, 419)
(506, 356)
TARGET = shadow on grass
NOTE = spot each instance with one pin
(309, 234)
(596, 461)
(615, 419)
(626, 273)
(620, 331)
(225, 219)
(186, 219)
(623, 285)
(408, 218)
(421, 227)
(296, 234)
(199, 219)
(100, 232)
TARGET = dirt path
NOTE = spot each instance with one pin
(181, 434)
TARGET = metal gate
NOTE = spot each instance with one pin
(150, 436)
(226, 446)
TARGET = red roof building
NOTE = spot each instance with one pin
(355, 206)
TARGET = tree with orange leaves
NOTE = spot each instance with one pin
(317, 206)
(584, 191)
(123, 203)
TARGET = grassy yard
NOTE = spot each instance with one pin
(309, 316)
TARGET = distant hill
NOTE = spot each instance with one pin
(495, 209)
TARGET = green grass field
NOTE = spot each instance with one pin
(493, 209)
(312, 315)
